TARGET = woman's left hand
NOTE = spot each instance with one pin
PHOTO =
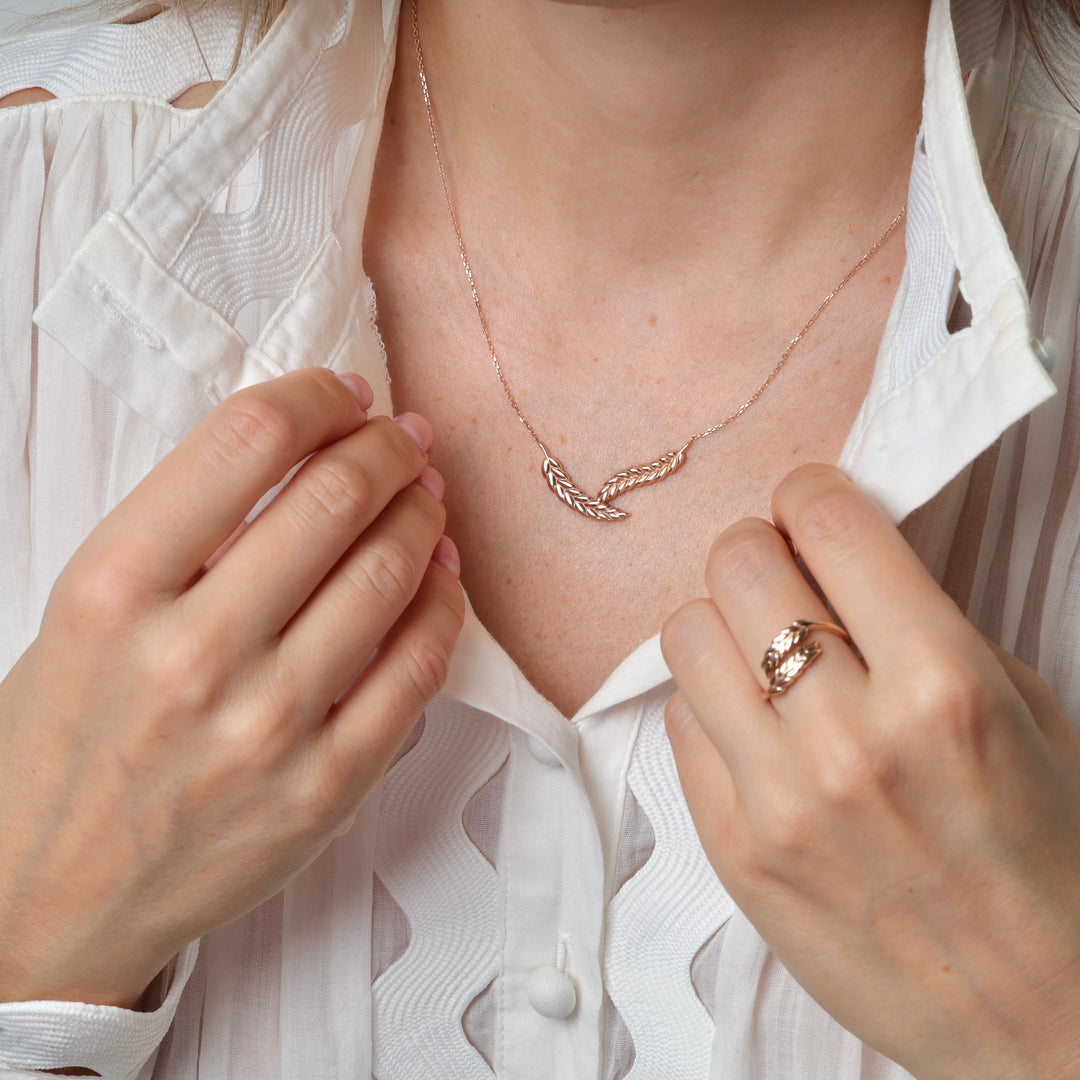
(902, 829)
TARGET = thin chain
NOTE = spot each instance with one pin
(457, 227)
(598, 507)
(818, 312)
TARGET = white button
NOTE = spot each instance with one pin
(541, 751)
(551, 992)
(1046, 349)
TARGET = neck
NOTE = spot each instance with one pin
(631, 132)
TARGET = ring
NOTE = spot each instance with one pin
(789, 654)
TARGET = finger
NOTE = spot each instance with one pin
(888, 600)
(705, 777)
(366, 727)
(223, 548)
(759, 591)
(271, 570)
(1040, 701)
(719, 688)
(188, 506)
(357, 604)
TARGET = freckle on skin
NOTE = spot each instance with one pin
(654, 319)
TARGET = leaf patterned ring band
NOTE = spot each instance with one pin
(790, 654)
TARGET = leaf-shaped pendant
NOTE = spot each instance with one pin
(565, 488)
(640, 475)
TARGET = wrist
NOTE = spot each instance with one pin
(140, 988)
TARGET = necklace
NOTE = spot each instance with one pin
(601, 506)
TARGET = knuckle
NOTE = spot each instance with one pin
(254, 424)
(256, 736)
(342, 402)
(390, 574)
(185, 673)
(431, 511)
(98, 591)
(849, 770)
(327, 790)
(830, 516)
(742, 558)
(789, 835)
(750, 865)
(809, 474)
(316, 804)
(946, 699)
(451, 600)
(788, 829)
(346, 823)
(338, 489)
(680, 635)
(328, 382)
(406, 452)
(427, 665)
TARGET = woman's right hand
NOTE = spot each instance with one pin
(207, 705)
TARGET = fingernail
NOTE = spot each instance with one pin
(418, 428)
(447, 556)
(431, 480)
(359, 387)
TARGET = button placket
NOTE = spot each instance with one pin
(552, 873)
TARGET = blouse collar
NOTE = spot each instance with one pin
(128, 305)
(939, 398)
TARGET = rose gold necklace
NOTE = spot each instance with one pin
(600, 507)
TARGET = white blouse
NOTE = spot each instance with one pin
(525, 895)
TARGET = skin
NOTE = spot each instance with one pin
(622, 325)
(925, 874)
(162, 639)
(903, 829)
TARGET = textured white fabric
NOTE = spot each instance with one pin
(90, 1036)
(178, 256)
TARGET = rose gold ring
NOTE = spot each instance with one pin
(789, 654)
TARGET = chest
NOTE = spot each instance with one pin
(567, 596)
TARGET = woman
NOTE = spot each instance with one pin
(649, 203)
